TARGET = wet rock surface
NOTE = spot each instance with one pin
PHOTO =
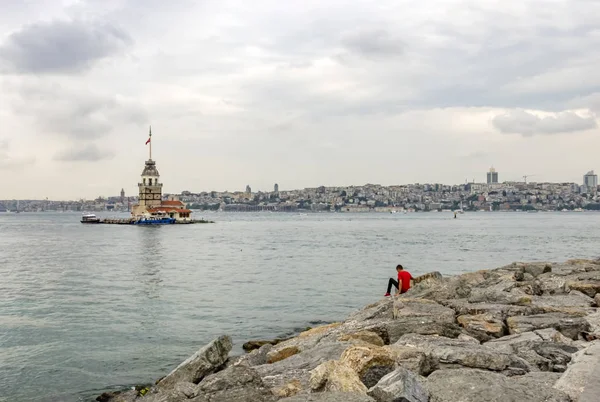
(522, 332)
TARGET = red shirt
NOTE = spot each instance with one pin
(405, 277)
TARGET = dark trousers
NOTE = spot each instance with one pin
(391, 283)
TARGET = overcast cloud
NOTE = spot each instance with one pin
(299, 93)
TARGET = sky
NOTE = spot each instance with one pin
(303, 94)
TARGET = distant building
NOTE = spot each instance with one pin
(590, 181)
(276, 188)
(122, 196)
(248, 189)
(492, 176)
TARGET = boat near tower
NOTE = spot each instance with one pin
(151, 209)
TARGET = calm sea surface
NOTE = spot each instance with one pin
(88, 308)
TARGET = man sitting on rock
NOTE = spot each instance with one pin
(403, 283)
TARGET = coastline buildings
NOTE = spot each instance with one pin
(150, 201)
(507, 196)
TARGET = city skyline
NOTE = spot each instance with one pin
(301, 94)
(588, 180)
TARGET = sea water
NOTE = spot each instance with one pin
(90, 308)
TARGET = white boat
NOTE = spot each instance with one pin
(89, 218)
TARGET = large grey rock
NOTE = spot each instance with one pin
(499, 311)
(118, 396)
(455, 353)
(483, 327)
(412, 316)
(547, 349)
(458, 287)
(254, 358)
(583, 277)
(581, 371)
(336, 376)
(180, 392)
(400, 386)
(235, 384)
(566, 324)
(329, 397)
(538, 379)
(205, 361)
(537, 269)
(306, 360)
(467, 385)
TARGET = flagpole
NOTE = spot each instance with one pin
(150, 135)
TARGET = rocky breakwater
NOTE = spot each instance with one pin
(523, 332)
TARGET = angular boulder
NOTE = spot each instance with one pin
(483, 326)
(254, 358)
(582, 370)
(451, 353)
(273, 356)
(205, 361)
(369, 362)
(589, 287)
(330, 397)
(235, 384)
(305, 360)
(298, 367)
(566, 324)
(180, 392)
(333, 376)
(547, 349)
(413, 359)
(420, 316)
(400, 385)
(257, 344)
(362, 336)
(496, 310)
(291, 388)
(304, 341)
(468, 385)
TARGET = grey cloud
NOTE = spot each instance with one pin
(74, 113)
(8, 162)
(527, 124)
(374, 43)
(84, 153)
(60, 46)
(477, 155)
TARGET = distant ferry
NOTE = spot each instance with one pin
(90, 218)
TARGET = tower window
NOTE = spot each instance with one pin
(150, 181)
(144, 181)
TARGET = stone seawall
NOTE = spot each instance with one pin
(523, 332)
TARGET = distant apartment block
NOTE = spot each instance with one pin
(492, 176)
(590, 180)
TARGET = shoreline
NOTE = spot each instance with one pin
(525, 331)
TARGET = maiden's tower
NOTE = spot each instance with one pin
(150, 202)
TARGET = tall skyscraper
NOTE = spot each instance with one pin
(276, 188)
(590, 180)
(492, 176)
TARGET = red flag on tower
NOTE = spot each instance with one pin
(149, 136)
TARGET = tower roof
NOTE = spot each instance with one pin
(150, 169)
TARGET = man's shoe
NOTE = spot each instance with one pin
(387, 294)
